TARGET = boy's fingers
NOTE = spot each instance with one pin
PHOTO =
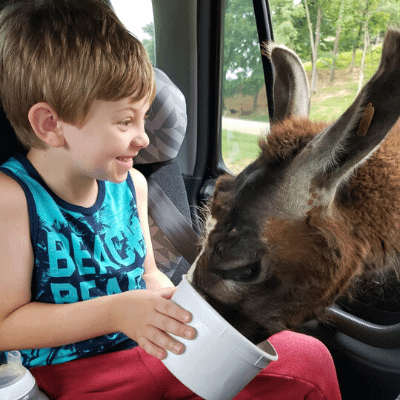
(174, 311)
(151, 348)
(156, 342)
(167, 293)
(175, 327)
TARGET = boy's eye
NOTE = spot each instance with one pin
(125, 122)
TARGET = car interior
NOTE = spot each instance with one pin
(185, 157)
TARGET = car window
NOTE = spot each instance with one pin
(138, 18)
(339, 42)
(244, 101)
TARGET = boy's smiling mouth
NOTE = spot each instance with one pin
(127, 162)
(124, 159)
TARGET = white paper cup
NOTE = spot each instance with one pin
(220, 361)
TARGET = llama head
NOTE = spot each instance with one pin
(277, 248)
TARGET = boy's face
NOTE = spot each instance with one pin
(111, 136)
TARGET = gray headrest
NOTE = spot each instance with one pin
(166, 124)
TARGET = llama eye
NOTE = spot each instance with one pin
(242, 274)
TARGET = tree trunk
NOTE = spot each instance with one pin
(353, 58)
(314, 45)
(353, 55)
(366, 43)
(255, 100)
(336, 45)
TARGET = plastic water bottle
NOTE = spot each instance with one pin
(16, 382)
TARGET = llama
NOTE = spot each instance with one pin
(315, 213)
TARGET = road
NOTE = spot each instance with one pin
(245, 126)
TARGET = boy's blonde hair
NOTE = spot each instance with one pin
(67, 53)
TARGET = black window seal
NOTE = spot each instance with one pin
(265, 34)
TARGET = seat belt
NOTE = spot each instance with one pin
(173, 224)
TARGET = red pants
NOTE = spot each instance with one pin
(304, 370)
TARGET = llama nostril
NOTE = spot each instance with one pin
(242, 274)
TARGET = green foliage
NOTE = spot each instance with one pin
(149, 43)
(343, 60)
(290, 22)
(288, 13)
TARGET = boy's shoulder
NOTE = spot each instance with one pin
(138, 179)
(140, 184)
(12, 195)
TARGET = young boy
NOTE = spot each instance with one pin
(76, 87)
(79, 288)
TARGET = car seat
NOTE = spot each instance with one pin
(166, 127)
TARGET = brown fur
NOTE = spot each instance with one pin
(320, 256)
(367, 211)
(371, 201)
(288, 138)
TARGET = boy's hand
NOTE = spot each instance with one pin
(147, 316)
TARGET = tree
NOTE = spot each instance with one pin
(243, 70)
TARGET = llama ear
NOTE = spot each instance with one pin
(221, 202)
(291, 91)
(336, 151)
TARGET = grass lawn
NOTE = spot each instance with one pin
(239, 149)
(330, 102)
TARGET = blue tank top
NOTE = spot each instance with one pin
(80, 253)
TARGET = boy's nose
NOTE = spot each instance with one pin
(142, 140)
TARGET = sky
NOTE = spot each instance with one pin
(134, 14)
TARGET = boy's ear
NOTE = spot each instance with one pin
(46, 124)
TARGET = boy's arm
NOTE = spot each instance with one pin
(25, 324)
(153, 277)
(143, 315)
